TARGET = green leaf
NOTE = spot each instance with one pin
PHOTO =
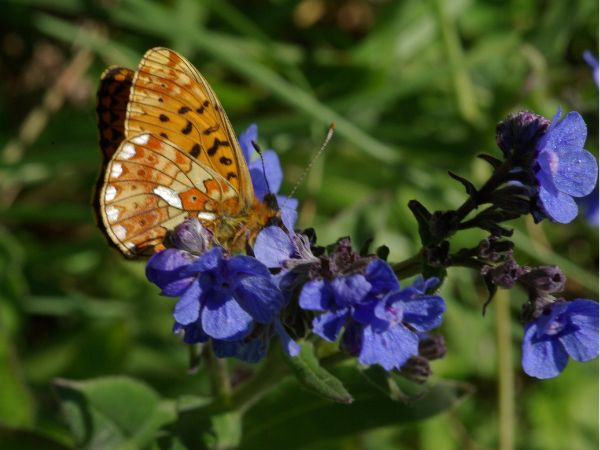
(226, 431)
(290, 419)
(313, 377)
(113, 412)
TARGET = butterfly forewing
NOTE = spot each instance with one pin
(170, 98)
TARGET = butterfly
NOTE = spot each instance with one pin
(170, 154)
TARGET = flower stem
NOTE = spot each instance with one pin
(409, 267)
(506, 398)
(219, 376)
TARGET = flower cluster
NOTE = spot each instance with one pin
(238, 303)
(288, 287)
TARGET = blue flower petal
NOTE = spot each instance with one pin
(259, 297)
(290, 347)
(558, 206)
(165, 269)
(374, 314)
(542, 357)
(192, 333)
(274, 174)
(577, 172)
(289, 211)
(425, 312)
(187, 309)
(249, 351)
(381, 276)
(569, 132)
(328, 325)
(245, 265)
(582, 343)
(273, 246)
(316, 295)
(209, 260)
(390, 349)
(245, 140)
(223, 318)
(351, 289)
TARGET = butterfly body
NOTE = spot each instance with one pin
(170, 154)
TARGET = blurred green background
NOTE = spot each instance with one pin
(415, 88)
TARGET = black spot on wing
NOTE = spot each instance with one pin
(231, 175)
(225, 161)
(163, 118)
(210, 130)
(184, 109)
(188, 128)
(215, 146)
(195, 151)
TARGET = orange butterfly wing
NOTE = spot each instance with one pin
(171, 99)
(179, 157)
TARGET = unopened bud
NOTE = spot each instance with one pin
(518, 133)
(191, 236)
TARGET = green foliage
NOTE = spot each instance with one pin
(415, 89)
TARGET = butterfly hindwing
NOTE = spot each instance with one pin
(111, 108)
(149, 187)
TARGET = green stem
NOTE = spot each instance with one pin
(506, 394)
(409, 267)
(219, 376)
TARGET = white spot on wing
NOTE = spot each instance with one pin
(116, 170)
(110, 193)
(142, 139)
(169, 196)
(120, 231)
(128, 150)
(112, 213)
(203, 215)
(130, 245)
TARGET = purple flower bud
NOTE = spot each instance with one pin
(544, 280)
(518, 133)
(191, 237)
(416, 369)
(432, 347)
(506, 274)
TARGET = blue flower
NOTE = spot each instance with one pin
(564, 329)
(563, 168)
(272, 174)
(222, 298)
(593, 63)
(381, 321)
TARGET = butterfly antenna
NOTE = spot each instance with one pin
(314, 159)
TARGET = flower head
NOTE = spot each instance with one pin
(231, 300)
(380, 321)
(563, 168)
(267, 180)
(563, 329)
